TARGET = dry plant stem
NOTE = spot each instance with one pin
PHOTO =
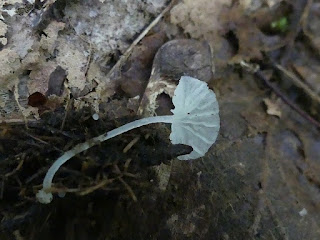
(94, 141)
(278, 92)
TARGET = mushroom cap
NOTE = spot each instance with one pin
(196, 117)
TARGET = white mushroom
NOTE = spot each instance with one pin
(195, 122)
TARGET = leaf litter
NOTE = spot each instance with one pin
(253, 184)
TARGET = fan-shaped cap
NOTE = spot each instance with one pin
(196, 117)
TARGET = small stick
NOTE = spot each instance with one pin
(254, 69)
(296, 81)
(37, 174)
(134, 198)
(95, 187)
(127, 53)
(64, 190)
(132, 175)
(126, 164)
(16, 169)
(69, 104)
(17, 121)
(89, 59)
(42, 141)
(131, 144)
(53, 130)
(278, 92)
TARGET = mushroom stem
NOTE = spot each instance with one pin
(44, 195)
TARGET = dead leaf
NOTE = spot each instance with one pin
(40, 75)
(12, 11)
(3, 31)
(199, 18)
(74, 61)
(48, 41)
(272, 107)
(173, 60)
(136, 71)
(56, 80)
(9, 63)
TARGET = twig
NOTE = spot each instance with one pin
(53, 131)
(89, 59)
(126, 165)
(15, 170)
(127, 53)
(132, 175)
(133, 196)
(44, 142)
(297, 82)
(254, 69)
(81, 191)
(18, 121)
(37, 174)
(278, 92)
(69, 103)
(305, 15)
(116, 169)
(304, 22)
(95, 187)
(15, 177)
(131, 144)
(64, 190)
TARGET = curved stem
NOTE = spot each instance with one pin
(94, 141)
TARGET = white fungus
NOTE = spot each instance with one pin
(95, 116)
(195, 122)
(303, 212)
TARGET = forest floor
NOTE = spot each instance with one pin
(61, 62)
